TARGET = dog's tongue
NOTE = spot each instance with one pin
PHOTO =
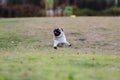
(55, 32)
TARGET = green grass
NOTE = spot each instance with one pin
(36, 66)
(26, 51)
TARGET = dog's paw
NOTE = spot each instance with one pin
(55, 47)
(70, 45)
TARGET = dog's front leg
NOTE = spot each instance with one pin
(55, 44)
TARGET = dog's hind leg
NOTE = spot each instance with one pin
(67, 44)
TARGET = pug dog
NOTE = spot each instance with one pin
(59, 38)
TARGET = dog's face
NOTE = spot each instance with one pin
(57, 31)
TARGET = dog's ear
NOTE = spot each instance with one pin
(62, 29)
(54, 30)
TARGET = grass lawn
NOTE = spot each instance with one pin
(26, 51)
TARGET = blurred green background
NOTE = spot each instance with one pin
(40, 8)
